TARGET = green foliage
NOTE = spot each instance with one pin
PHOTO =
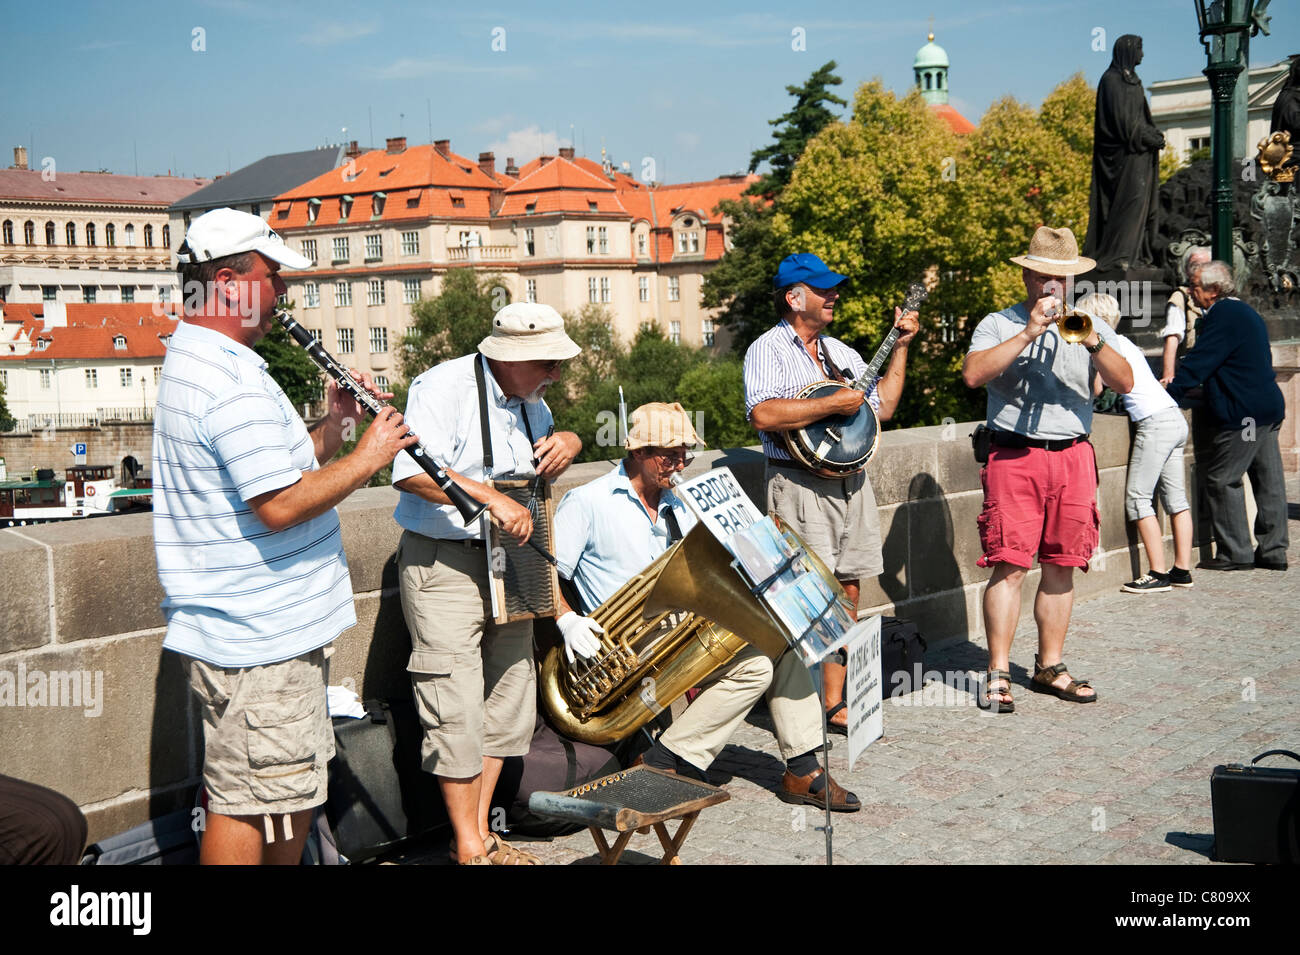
(452, 323)
(1196, 155)
(741, 283)
(7, 421)
(714, 393)
(1170, 163)
(290, 366)
(806, 119)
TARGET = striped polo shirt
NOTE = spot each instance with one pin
(777, 365)
(237, 593)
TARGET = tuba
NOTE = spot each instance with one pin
(652, 652)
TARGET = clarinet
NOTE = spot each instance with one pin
(469, 508)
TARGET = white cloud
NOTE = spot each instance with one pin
(331, 32)
(525, 144)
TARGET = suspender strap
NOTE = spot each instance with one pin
(484, 426)
(674, 529)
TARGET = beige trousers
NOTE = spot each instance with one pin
(699, 734)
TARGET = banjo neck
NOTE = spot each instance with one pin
(863, 382)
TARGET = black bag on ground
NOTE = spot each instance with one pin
(553, 763)
(1256, 812)
(379, 797)
(902, 656)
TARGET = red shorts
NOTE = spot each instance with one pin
(1040, 502)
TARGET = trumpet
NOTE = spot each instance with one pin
(1074, 326)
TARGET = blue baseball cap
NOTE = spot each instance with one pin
(806, 268)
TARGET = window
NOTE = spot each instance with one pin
(381, 382)
(49, 233)
(458, 202)
(167, 237)
(591, 206)
(157, 374)
(604, 240)
(92, 377)
(375, 292)
(341, 253)
(48, 293)
(345, 207)
(310, 295)
(309, 249)
(675, 332)
(640, 243)
(88, 296)
(9, 232)
(148, 237)
(255, 208)
(707, 332)
(410, 243)
(604, 289)
(531, 291)
(110, 235)
(410, 291)
(643, 288)
(129, 234)
(374, 248)
(313, 210)
(530, 246)
(124, 374)
(468, 238)
(42, 344)
(128, 293)
(688, 242)
(314, 333)
(377, 204)
(119, 343)
(70, 232)
(591, 289)
(346, 341)
(591, 240)
(674, 289)
(378, 339)
(90, 233)
(342, 294)
(46, 376)
(29, 232)
(4, 379)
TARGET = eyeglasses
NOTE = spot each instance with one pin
(675, 457)
(550, 366)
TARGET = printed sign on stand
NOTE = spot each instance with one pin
(862, 688)
(719, 502)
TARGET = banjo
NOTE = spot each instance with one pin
(842, 444)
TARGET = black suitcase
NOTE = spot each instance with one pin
(1256, 812)
(379, 797)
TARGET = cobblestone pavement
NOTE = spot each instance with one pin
(1186, 681)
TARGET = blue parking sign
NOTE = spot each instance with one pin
(78, 449)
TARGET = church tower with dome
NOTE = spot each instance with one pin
(930, 67)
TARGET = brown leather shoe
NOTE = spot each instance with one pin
(796, 790)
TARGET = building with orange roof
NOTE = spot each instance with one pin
(930, 67)
(86, 237)
(76, 364)
(566, 230)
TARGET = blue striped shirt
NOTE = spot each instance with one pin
(777, 365)
(237, 593)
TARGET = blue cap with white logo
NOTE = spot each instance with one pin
(806, 268)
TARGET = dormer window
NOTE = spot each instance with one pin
(531, 207)
(345, 207)
(42, 344)
(377, 204)
(591, 206)
(313, 210)
(119, 343)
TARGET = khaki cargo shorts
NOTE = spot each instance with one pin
(267, 735)
(836, 517)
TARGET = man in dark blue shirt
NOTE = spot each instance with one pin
(1232, 361)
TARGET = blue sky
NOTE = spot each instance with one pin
(690, 84)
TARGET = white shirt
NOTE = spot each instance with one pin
(442, 408)
(238, 593)
(1148, 396)
(604, 536)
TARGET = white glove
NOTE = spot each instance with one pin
(580, 635)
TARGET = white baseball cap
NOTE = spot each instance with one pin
(223, 232)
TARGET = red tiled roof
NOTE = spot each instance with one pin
(91, 330)
(379, 171)
(558, 173)
(958, 123)
(96, 187)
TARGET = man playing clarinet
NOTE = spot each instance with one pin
(247, 542)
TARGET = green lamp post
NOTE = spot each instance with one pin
(1226, 27)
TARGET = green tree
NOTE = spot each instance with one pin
(806, 119)
(741, 283)
(290, 365)
(714, 394)
(7, 422)
(453, 322)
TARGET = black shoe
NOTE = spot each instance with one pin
(1270, 564)
(1180, 578)
(1148, 584)
(1222, 563)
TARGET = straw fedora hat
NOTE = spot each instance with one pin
(1055, 252)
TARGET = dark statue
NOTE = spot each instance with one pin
(1122, 224)
(1286, 108)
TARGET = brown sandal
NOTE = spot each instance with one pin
(500, 852)
(986, 702)
(1042, 683)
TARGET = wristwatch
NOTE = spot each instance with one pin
(1093, 349)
